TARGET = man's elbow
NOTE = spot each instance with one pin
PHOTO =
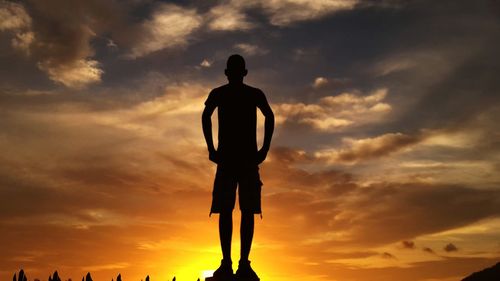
(269, 116)
(206, 115)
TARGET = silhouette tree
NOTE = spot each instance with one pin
(88, 277)
(119, 277)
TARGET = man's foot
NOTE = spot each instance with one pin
(245, 272)
(224, 272)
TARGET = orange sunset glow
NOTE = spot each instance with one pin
(385, 161)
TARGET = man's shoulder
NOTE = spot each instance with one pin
(218, 89)
(253, 89)
(247, 88)
(256, 93)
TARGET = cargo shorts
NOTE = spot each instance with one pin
(246, 179)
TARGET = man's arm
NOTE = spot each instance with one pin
(268, 128)
(206, 120)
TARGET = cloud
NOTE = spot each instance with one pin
(387, 255)
(91, 173)
(416, 61)
(67, 61)
(94, 173)
(369, 148)
(462, 138)
(250, 49)
(170, 26)
(78, 74)
(116, 171)
(408, 244)
(65, 52)
(111, 44)
(428, 250)
(13, 16)
(335, 113)
(319, 82)
(205, 63)
(286, 12)
(230, 15)
(99, 267)
(330, 202)
(450, 247)
(441, 80)
(23, 41)
(95, 155)
(227, 17)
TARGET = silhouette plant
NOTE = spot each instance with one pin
(21, 276)
(54, 277)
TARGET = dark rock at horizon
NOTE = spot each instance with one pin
(487, 274)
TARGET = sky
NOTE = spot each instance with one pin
(385, 162)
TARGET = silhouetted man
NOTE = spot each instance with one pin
(237, 160)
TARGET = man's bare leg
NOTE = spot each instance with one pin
(246, 234)
(225, 270)
(225, 233)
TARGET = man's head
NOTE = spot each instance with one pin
(235, 69)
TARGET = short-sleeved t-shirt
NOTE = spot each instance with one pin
(237, 113)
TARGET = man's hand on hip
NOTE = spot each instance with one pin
(213, 155)
(261, 155)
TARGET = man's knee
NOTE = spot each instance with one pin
(247, 215)
(226, 214)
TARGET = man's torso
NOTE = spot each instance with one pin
(237, 116)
